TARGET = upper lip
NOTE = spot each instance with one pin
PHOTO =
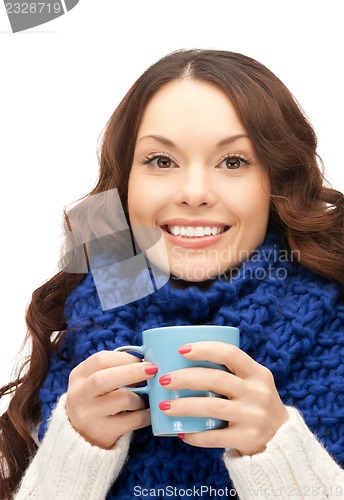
(193, 223)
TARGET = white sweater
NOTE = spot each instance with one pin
(294, 466)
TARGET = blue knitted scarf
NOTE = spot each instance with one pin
(291, 320)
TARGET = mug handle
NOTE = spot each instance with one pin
(139, 350)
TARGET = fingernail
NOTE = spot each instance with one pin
(151, 369)
(181, 436)
(165, 379)
(184, 349)
(165, 405)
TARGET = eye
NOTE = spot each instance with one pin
(160, 161)
(163, 162)
(234, 162)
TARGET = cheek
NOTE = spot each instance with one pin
(257, 208)
(144, 200)
(249, 206)
(138, 195)
(134, 199)
(254, 202)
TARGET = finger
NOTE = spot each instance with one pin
(102, 360)
(219, 408)
(107, 432)
(110, 379)
(130, 421)
(228, 437)
(236, 360)
(205, 379)
(233, 437)
(118, 401)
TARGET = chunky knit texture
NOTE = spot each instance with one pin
(290, 320)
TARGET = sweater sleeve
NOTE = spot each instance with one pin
(67, 466)
(293, 465)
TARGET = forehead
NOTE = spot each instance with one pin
(190, 104)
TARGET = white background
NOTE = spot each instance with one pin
(60, 82)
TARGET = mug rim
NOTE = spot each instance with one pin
(187, 327)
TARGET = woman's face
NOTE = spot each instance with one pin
(197, 177)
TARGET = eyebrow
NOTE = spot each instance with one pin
(167, 142)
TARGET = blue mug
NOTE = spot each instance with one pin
(160, 346)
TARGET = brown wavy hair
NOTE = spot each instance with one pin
(308, 213)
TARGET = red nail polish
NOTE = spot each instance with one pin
(181, 436)
(165, 379)
(165, 405)
(184, 349)
(151, 369)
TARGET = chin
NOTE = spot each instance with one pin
(194, 276)
(181, 283)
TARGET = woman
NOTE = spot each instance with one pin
(209, 150)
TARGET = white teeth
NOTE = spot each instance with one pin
(199, 231)
(192, 232)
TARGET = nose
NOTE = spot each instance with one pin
(196, 189)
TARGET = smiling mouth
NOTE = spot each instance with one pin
(195, 232)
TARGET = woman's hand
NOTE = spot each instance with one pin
(96, 406)
(253, 407)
